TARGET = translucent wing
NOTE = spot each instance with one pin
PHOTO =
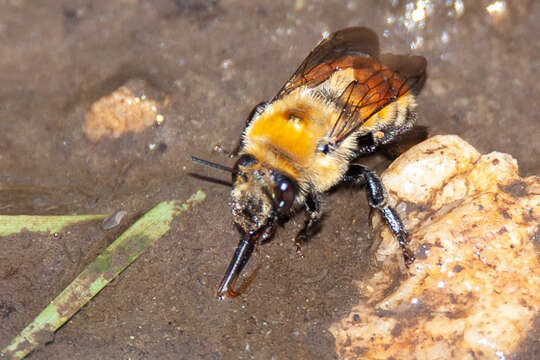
(375, 83)
(376, 80)
(326, 58)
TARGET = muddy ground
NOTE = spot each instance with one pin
(216, 60)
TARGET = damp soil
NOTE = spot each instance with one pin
(215, 60)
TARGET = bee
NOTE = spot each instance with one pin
(344, 100)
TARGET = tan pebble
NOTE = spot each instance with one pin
(119, 113)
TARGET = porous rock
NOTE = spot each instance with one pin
(474, 290)
(128, 109)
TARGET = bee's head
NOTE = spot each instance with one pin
(259, 195)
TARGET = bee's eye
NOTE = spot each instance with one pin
(285, 193)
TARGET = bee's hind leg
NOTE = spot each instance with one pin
(315, 213)
(377, 199)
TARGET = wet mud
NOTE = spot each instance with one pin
(215, 60)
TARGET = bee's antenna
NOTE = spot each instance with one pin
(214, 165)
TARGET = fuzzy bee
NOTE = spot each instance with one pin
(344, 101)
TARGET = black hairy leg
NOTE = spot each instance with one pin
(314, 215)
(377, 199)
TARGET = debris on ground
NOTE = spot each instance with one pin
(122, 111)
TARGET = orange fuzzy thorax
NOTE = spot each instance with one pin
(285, 136)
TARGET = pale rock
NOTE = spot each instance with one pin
(474, 290)
(122, 111)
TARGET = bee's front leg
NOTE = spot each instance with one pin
(377, 199)
(315, 213)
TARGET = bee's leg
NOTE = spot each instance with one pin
(315, 213)
(257, 110)
(365, 144)
(377, 199)
(395, 141)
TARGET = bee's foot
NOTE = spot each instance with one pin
(408, 255)
(299, 252)
(298, 241)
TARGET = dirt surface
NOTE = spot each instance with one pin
(216, 60)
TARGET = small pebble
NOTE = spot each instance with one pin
(113, 220)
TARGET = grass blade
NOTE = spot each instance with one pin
(12, 224)
(111, 262)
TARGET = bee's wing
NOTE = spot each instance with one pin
(377, 79)
(375, 83)
(327, 57)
